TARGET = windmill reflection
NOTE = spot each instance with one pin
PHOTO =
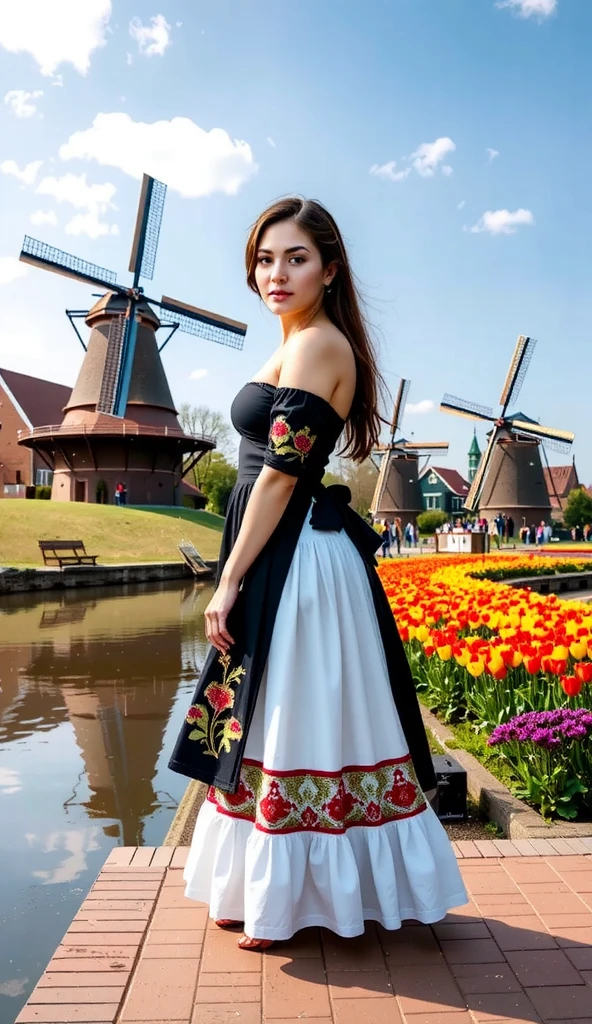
(112, 667)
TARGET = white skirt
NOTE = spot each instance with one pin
(328, 826)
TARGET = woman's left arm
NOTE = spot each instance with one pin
(266, 506)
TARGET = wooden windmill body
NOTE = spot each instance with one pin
(398, 492)
(510, 478)
(120, 423)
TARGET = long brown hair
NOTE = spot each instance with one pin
(343, 306)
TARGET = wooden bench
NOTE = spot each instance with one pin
(65, 552)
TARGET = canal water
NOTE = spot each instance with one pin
(93, 689)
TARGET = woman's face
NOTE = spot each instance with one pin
(290, 275)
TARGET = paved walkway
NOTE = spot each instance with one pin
(138, 951)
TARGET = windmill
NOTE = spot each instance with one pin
(120, 421)
(397, 491)
(510, 477)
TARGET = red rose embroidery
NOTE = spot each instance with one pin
(341, 804)
(274, 807)
(194, 714)
(220, 697)
(309, 818)
(279, 430)
(303, 442)
(242, 795)
(373, 812)
(403, 793)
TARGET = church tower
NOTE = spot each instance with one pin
(474, 457)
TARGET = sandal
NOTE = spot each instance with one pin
(224, 923)
(254, 945)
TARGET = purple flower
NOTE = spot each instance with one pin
(545, 728)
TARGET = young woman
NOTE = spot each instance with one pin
(305, 723)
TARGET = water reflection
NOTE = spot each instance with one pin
(93, 688)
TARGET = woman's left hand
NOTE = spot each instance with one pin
(216, 615)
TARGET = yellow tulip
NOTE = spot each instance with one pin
(445, 652)
(475, 668)
(578, 649)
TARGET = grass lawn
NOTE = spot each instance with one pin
(114, 534)
(191, 515)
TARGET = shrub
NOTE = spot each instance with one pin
(43, 492)
(428, 522)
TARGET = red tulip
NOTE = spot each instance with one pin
(571, 685)
(583, 670)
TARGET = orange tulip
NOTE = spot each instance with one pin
(583, 671)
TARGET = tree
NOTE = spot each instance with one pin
(578, 510)
(221, 479)
(361, 479)
(199, 419)
(428, 522)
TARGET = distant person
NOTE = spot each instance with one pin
(386, 537)
(532, 534)
(510, 528)
(397, 534)
(119, 494)
(540, 534)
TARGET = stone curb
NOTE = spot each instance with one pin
(19, 581)
(517, 820)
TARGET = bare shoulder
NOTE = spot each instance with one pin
(320, 359)
(317, 347)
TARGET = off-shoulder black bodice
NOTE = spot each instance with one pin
(288, 429)
(291, 430)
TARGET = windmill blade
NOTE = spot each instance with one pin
(517, 372)
(39, 254)
(381, 482)
(563, 438)
(204, 324)
(425, 446)
(459, 406)
(147, 230)
(399, 407)
(472, 499)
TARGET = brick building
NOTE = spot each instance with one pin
(25, 402)
(560, 480)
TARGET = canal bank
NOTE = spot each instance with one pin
(20, 581)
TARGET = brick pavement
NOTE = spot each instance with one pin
(521, 951)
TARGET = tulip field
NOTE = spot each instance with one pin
(515, 664)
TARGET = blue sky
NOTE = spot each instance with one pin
(450, 138)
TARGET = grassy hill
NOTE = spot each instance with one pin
(114, 534)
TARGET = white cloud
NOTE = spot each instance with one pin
(389, 171)
(93, 202)
(271, 142)
(152, 39)
(11, 268)
(20, 101)
(530, 8)
(56, 32)
(198, 374)
(44, 217)
(129, 58)
(447, 170)
(427, 156)
(28, 173)
(461, 205)
(502, 222)
(58, 81)
(492, 153)
(187, 158)
(420, 408)
(10, 781)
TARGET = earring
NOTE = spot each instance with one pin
(328, 290)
